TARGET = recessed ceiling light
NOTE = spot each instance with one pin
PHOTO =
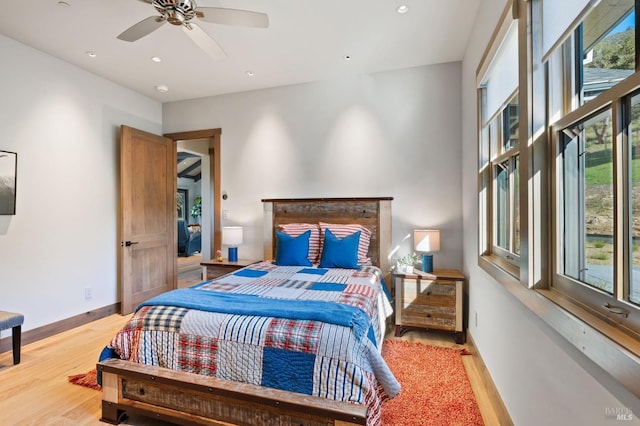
(91, 53)
(403, 8)
(162, 88)
(63, 4)
(156, 59)
(250, 73)
(347, 57)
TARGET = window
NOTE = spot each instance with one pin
(502, 181)
(506, 218)
(586, 188)
(596, 184)
(606, 48)
(500, 153)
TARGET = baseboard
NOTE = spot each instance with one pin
(49, 330)
(503, 417)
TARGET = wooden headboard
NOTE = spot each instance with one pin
(373, 213)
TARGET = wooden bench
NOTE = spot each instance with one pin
(13, 321)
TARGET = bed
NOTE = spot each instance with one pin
(292, 343)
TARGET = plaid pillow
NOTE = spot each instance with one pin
(296, 229)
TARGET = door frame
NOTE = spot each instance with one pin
(214, 137)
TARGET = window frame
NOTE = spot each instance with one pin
(613, 307)
(510, 156)
(594, 301)
(491, 255)
(601, 338)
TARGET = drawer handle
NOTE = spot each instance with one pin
(428, 315)
(428, 293)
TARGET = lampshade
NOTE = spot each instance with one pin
(232, 235)
(426, 240)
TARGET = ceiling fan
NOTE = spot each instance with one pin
(181, 12)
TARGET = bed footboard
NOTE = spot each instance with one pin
(186, 398)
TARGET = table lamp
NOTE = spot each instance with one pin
(232, 237)
(426, 241)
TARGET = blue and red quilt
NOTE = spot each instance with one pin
(302, 329)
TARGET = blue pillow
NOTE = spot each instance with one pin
(340, 253)
(292, 251)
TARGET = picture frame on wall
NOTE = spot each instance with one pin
(8, 170)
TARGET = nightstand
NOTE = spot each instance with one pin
(426, 303)
(214, 268)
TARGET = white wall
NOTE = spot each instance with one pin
(387, 134)
(542, 379)
(64, 123)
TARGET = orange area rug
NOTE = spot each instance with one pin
(87, 380)
(435, 386)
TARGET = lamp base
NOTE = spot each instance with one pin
(427, 263)
(233, 254)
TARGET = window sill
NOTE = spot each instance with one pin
(497, 266)
(612, 349)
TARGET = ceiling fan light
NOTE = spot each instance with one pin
(175, 17)
(162, 88)
(176, 12)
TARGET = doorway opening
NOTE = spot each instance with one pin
(198, 175)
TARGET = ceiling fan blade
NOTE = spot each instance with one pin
(142, 28)
(243, 18)
(204, 41)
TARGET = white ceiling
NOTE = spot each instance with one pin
(307, 40)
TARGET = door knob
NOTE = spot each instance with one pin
(129, 243)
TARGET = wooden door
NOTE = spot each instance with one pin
(147, 216)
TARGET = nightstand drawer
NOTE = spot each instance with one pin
(430, 311)
(439, 317)
(435, 293)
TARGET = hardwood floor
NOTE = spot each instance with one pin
(37, 392)
(189, 270)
